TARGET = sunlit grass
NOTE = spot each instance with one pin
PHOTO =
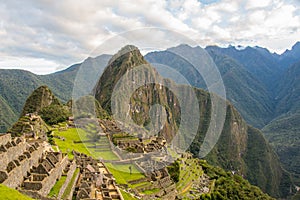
(76, 139)
(11, 194)
(69, 187)
(122, 173)
(127, 196)
(56, 188)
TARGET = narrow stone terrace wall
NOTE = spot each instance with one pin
(55, 174)
(68, 179)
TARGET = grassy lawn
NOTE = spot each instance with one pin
(69, 187)
(56, 188)
(151, 191)
(127, 196)
(143, 184)
(77, 139)
(122, 174)
(11, 194)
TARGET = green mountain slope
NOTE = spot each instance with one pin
(240, 148)
(284, 131)
(7, 115)
(40, 98)
(242, 88)
(16, 86)
(261, 64)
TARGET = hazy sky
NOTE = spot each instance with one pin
(47, 35)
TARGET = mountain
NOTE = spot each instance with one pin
(39, 99)
(284, 131)
(275, 109)
(41, 108)
(7, 115)
(241, 148)
(288, 90)
(243, 89)
(14, 93)
(260, 63)
(290, 57)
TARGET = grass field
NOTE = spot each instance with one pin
(76, 139)
(127, 196)
(122, 173)
(56, 188)
(151, 191)
(11, 194)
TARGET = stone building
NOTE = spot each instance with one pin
(95, 181)
(44, 176)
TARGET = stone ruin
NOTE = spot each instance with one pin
(157, 173)
(28, 167)
(17, 159)
(43, 177)
(140, 146)
(95, 180)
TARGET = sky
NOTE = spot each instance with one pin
(46, 36)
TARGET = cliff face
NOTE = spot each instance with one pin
(240, 148)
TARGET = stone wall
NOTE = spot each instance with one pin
(70, 197)
(15, 176)
(68, 179)
(4, 138)
(55, 174)
(10, 149)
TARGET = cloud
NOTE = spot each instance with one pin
(61, 33)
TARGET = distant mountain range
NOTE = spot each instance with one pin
(264, 87)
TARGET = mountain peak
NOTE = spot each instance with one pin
(40, 98)
(124, 51)
(296, 47)
(125, 59)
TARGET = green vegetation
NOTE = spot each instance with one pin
(127, 196)
(40, 98)
(240, 147)
(11, 194)
(174, 171)
(7, 115)
(76, 139)
(283, 135)
(228, 186)
(54, 114)
(71, 183)
(151, 191)
(296, 196)
(122, 172)
(261, 159)
(56, 188)
(189, 172)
